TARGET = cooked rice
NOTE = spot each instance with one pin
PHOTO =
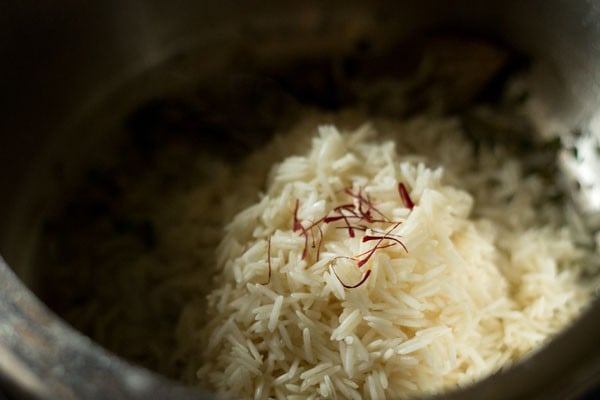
(489, 273)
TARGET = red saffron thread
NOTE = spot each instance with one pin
(408, 203)
(343, 217)
(384, 246)
(365, 201)
(360, 283)
(368, 238)
(377, 246)
(320, 241)
(269, 260)
(361, 210)
(361, 228)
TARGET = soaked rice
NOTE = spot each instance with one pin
(481, 272)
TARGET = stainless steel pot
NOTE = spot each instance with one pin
(61, 61)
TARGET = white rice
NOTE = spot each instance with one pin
(490, 273)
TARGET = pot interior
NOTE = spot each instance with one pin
(219, 91)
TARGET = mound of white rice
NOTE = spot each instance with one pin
(478, 274)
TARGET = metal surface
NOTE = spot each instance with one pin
(60, 62)
(44, 358)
